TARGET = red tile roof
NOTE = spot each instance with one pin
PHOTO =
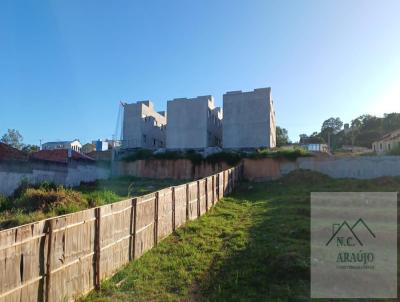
(59, 155)
(9, 153)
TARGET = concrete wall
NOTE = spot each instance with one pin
(12, 173)
(363, 167)
(159, 169)
(193, 123)
(249, 119)
(143, 127)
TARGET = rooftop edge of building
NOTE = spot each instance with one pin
(194, 99)
(268, 89)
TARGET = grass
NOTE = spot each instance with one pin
(36, 202)
(253, 246)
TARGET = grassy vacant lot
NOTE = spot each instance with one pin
(253, 246)
(32, 203)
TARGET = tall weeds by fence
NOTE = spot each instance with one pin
(64, 257)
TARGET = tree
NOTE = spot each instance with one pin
(329, 128)
(13, 138)
(28, 149)
(282, 137)
(303, 138)
(332, 125)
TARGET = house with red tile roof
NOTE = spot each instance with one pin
(61, 156)
(9, 153)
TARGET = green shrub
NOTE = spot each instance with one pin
(98, 198)
(231, 158)
(139, 154)
(394, 151)
(48, 199)
(291, 154)
(4, 203)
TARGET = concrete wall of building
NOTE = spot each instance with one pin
(249, 119)
(143, 127)
(193, 123)
(363, 167)
(161, 169)
(382, 147)
(12, 173)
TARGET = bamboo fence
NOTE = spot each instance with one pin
(62, 258)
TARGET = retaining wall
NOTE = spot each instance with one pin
(361, 167)
(71, 174)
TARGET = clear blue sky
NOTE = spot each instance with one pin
(65, 65)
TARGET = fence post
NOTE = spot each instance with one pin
(230, 181)
(49, 260)
(206, 189)
(216, 184)
(213, 189)
(220, 188)
(97, 212)
(198, 198)
(187, 202)
(132, 242)
(173, 209)
(156, 218)
(223, 183)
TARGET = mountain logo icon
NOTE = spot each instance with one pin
(345, 225)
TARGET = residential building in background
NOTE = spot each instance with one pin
(142, 126)
(193, 123)
(249, 119)
(100, 145)
(113, 143)
(387, 143)
(316, 147)
(69, 145)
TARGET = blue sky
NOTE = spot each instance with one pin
(65, 65)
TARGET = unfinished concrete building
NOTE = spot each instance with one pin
(249, 119)
(143, 127)
(194, 123)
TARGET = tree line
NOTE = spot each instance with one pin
(14, 139)
(362, 131)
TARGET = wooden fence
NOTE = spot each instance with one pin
(62, 258)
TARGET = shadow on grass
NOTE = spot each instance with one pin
(274, 264)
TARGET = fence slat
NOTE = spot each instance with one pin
(173, 209)
(206, 191)
(198, 198)
(97, 248)
(187, 202)
(156, 218)
(133, 229)
(49, 260)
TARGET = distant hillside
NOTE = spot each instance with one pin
(362, 131)
(366, 129)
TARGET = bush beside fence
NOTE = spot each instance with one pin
(64, 257)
